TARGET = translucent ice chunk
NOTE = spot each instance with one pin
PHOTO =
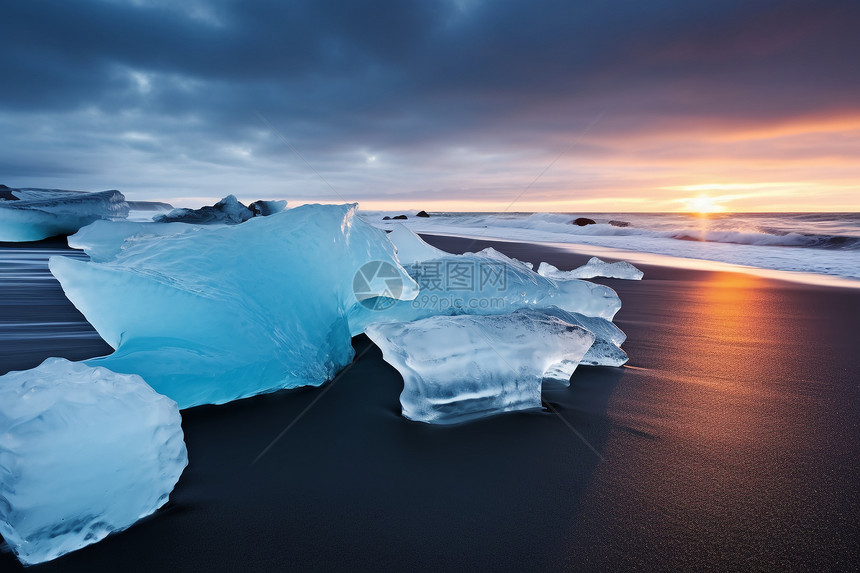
(36, 214)
(223, 312)
(84, 452)
(593, 268)
(606, 350)
(457, 368)
(485, 283)
(228, 211)
(410, 247)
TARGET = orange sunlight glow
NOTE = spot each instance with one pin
(703, 204)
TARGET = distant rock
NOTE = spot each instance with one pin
(582, 221)
(422, 214)
(386, 218)
(619, 223)
(400, 217)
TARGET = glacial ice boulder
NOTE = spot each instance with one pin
(483, 283)
(83, 452)
(592, 269)
(219, 313)
(36, 214)
(227, 211)
(458, 368)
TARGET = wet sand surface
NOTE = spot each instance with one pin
(730, 441)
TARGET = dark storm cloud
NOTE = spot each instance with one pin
(406, 78)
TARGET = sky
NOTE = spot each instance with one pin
(456, 105)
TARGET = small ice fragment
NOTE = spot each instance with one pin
(592, 269)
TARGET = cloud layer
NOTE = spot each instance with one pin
(452, 104)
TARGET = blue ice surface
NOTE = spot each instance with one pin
(459, 368)
(210, 314)
(36, 214)
(484, 283)
(84, 452)
(213, 314)
(104, 240)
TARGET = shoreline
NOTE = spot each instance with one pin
(660, 260)
(725, 444)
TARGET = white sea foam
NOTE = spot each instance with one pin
(820, 243)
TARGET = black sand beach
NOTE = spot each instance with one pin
(729, 442)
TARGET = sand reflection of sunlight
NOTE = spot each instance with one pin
(729, 298)
(725, 343)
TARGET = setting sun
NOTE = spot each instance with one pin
(703, 204)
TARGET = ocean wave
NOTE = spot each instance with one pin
(771, 239)
(560, 223)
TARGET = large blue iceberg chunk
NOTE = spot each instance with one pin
(218, 313)
(458, 368)
(36, 214)
(84, 452)
(227, 211)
